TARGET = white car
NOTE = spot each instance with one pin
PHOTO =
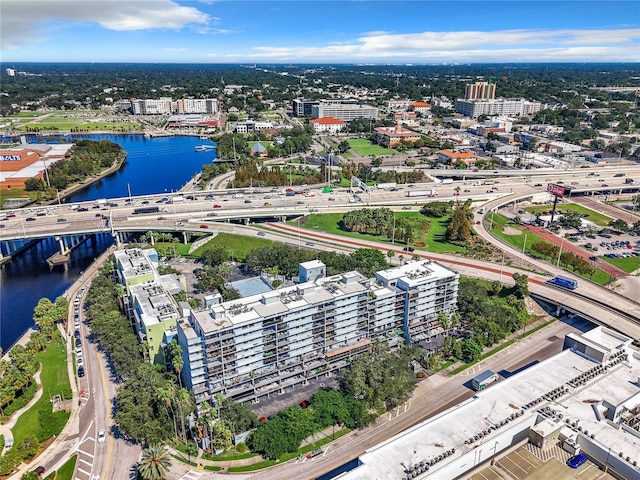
(101, 436)
(80, 362)
(79, 351)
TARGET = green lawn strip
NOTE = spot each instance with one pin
(241, 245)
(629, 264)
(231, 456)
(501, 347)
(289, 456)
(364, 147)
(595, 217)
(330, 222)
(212, 468)
(180, 458)
(517, 241)
(66, 471)
(55, 381)
(1, 442)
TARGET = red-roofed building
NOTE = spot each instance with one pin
(421, 107)
(451, 157)
(327, 124)
(392, 136)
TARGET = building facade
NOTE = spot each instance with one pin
(393, 136)
(266, 343)
(302, 107)
(167, 106)
(508, 107)
(327, 124)
(480, 90)
(343, 111)
(148, 299)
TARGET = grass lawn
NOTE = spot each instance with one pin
(595, 217)
(55, 381)
(518, 241)
(240, 245)
(330, 222)
(66, 471)
(364, 147)
(627, 264)
(15, 193)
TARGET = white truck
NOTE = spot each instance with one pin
(101, 201)
(177, 199)
(238, 195)
(386, 186)
(446, 181)
(422, 193)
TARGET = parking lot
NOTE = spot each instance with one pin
(530, 463)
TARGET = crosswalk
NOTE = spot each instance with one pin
(192, 475)
(554, 451)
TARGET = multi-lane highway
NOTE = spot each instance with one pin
(206, 208)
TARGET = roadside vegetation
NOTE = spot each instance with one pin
(45, 351)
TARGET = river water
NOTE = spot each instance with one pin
(153, 165)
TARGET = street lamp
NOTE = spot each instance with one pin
(560, 252)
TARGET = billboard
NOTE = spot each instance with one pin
(557, 190)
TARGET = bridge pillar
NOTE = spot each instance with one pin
(185, 238)
(247, 221)
(63, 245)
(559, 311)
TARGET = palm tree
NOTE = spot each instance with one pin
(154, 463)
(166, 396)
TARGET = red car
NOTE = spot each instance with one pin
(204, 226)
(215, 205)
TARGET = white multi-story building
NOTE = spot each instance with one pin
(327, 124)
(197, 105)
(343, 111)
(265, 343)
(508, 107)
(166, 106)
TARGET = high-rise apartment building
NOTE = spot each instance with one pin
(480, 90)
(249, 348)
(507, 107)
(166, 106)
(343, 111)
(197, 105)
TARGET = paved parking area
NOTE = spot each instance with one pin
(530, 463)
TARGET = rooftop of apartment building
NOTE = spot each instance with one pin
(322, 290)
(415, 273)
(155, 303)
(567, 391)
(134, 262)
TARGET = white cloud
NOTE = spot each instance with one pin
(472, 46)
(22, 20)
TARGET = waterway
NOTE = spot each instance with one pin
(153, 165)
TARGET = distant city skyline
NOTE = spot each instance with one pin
(369, 31)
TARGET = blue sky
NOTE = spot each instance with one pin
(340, 31)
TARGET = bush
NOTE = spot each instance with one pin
(242, 447)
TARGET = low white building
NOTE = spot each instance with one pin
(590, 391)
(327, 124)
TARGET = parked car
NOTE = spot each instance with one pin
(40, 470)
(102, 435)
(577, 460)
